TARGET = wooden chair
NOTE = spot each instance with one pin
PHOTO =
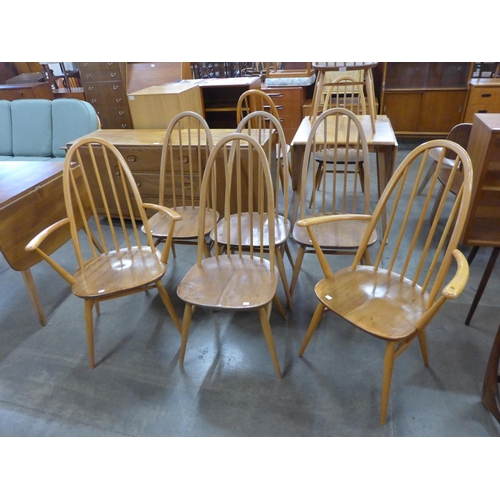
(265, 125)
(186, 148)
(241, 278)
(396, 298)
(114, 258)
(256, 100)
(334, 132)
(347, 93)
(460, 134)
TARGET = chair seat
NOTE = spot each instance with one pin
(249, 226)
(352, 155)
(117, 271)
(229, 282)
(335, 235)
(382, 304)
(187, 227)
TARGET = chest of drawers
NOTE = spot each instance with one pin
(484, 97)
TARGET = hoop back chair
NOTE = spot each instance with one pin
(397, 297)
(241, 278)
(334, 132)
(114, 257)
(264, 126)
(255, 100)
(186, 148)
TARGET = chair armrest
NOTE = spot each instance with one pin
(457, 284)
(40, 237)
(321, 219)
(160, 208)
(35, 243)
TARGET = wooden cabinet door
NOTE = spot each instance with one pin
(403, 109)
(441, 110)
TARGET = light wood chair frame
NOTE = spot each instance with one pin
(427, 287)
(190, 151)
(320, 141)
(204, 285)
(102, 262)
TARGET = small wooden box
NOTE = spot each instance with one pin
(154, 107)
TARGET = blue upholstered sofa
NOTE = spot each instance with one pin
(37, 129)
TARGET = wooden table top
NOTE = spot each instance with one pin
(150, 137)
(19, 177)
(384, 135)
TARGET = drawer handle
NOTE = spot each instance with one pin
(110, 64)
(124, 125)
(88, 75)
(482, 111)
(485, 95)
(132, 158)
(139, 184)
(117, 171)
(185, 159)
(115, 87)
(113, 74)
(119, 99)
(275, 95)
(91, 87)
(121, 113)
(85, 64)
(94, 101)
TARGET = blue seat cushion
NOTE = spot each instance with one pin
(5, 129)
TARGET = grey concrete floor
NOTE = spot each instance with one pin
(228, 385)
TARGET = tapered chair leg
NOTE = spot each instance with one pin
(296, 268)
(168, 304)
(89, 326)
(186, 323)
(318, 314)
(386, 380)
(422, 340)
(284, 280)
(268, 334)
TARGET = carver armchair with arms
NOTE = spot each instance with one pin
(114, 257)
(397, 297)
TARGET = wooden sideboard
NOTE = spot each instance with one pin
(484, 97)
(36, 90)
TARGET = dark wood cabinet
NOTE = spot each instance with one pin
(104, 86)
(423, 99)
(12, 92)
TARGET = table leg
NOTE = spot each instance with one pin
(33, 293)
(490, 397)
(386, 159)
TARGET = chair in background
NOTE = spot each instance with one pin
(334, 132)
(396, 302)
(186, 148)
(263, 125)
(240, 278)
(347, 93)
(256, 100)
(114, 258)
(460, 134)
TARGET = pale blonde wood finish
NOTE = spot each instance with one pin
(335, 131)
(255, 100)
(114, 259)
(398, 296)
(241, 278)
(186, 148)
(323, 67)
(154, 107)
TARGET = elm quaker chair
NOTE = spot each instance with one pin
(396, 303)
(256, 100)
(344, 92)
(240, 278)
(334, 132)
(260, 123)
(186, 148)
(123, 263)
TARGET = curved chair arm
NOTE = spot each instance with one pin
(457, 284)
(35, 243)
(175, 217)
(321, 219)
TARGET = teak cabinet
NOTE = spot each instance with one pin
(423, 99)
(483, 222)
(484, 97)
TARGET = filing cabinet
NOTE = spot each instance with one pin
(104, 85)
